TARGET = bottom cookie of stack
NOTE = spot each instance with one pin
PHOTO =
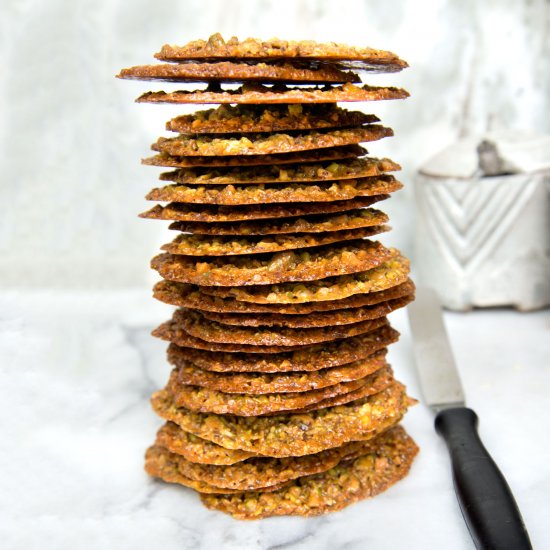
(306, 486)
(301, 462)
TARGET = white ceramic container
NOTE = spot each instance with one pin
(482, 240)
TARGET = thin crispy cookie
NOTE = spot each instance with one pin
(345, 398)
(196, 449)
(319, 319)
(272, 118)
(173, 333)
(391, 273)
(267, 144)
(217, 49)
(256, 473)
(308, 358)
(257, 94)
(265, 383)
(228, 71)
(207, 245)
(387, 460)
(191, 296)
(194, 323)
(292, 434)
(215, 213)
(343, 169)
(161, 463)
(327, 261)
(352, 219)
(206, 400)
(315, 155)
(276, 193)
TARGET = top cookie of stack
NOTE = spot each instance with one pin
(279, 342)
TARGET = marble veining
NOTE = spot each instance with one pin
(77, 370)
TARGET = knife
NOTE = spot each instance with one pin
(486, 501)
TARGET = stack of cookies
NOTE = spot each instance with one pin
(281, 400)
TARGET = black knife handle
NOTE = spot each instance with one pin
(485, 498)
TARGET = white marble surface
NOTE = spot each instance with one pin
(76, 373)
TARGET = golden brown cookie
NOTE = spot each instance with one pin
(272, 173)
(352, 219)
(161, 463)
(319, 319)
(256, 473)
(265, 383)
(386, 460)
(271, 118)
(257, 94)
(308, 358)
(266, 269)
(227, 71)
(209, 245)
(382, 383)
(314, 155)
(207, 400)
(391, 273)
(267, 144)
(292, 434)
(250, 49)
(166, 331)
(274, 193)
(196, 449)
(215, 213)
(195, 324)
(191, 296)
(344, 398)
(175, 334)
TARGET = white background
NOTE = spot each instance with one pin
(72, 136)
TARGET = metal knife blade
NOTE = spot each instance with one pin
(439, 380)
(486, 501)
